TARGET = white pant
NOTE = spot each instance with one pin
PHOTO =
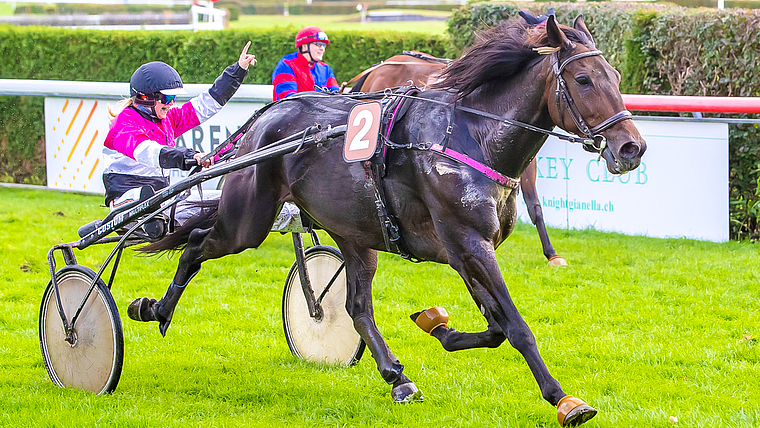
(288, 220)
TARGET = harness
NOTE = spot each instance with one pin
(426, 57)
(594, 141)
(413, 54)
(394, 108)
(374, 169)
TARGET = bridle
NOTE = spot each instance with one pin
(597, 141)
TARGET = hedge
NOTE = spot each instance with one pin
(112, 56)
(666, 50)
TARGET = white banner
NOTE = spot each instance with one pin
(76, 128)
(680, 189)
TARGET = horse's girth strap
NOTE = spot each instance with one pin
(489, 172)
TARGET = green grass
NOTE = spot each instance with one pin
(343, 22)
(642, 329)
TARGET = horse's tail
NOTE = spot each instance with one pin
(177, 240)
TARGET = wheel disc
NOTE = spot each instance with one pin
(93, 361)
(333, 338)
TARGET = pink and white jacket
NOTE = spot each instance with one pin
(139, 148)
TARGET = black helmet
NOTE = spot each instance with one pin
(155, 77)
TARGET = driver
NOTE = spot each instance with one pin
(301, 71)
(304, 70)
(140, 148)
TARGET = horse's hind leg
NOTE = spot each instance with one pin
(229, 235)
(530, 195)
(145, 309)
(361, 265)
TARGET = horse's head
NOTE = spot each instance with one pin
(583, 97)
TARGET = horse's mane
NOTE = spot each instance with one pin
(499, 53)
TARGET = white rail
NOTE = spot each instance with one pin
(111, 90)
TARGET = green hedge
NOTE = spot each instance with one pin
(22, 140)
(666, 50)
(112, 56)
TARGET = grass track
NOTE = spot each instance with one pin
(642, 329)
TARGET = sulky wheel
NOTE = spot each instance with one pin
(93, 361)
(331, 339)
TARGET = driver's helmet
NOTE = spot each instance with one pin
(155, 77)
(311, 34)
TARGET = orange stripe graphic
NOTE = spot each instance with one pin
(76, 143)
(91, 142)
(75, 116)
(93, 169)
(66, 104)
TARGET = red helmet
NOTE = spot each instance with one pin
(311, 34)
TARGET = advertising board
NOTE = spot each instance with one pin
(680, 189)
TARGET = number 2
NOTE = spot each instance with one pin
(358, 143)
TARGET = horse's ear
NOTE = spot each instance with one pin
(580, 25)
(557, 38)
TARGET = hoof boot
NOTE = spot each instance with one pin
(431, 318)
(142, 309)
(572, 411)
(557, 261)
(406, 393)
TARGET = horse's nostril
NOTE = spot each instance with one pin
(629, 150)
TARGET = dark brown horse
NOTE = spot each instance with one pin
(447, 211)
(421, 69)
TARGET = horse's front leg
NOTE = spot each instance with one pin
(530, 195)
(475, 260)
(361, 265)
(434, 321)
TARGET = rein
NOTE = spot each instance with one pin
(565, 137)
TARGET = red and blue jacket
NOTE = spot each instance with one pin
(294, 74)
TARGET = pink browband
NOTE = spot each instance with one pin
(487, 171)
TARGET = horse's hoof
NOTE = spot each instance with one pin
(557, 261)
(406, 393)
(163, 326)
(572, 411)
(142, 309)
(431, 318)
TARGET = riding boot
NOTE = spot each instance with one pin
(145, 309)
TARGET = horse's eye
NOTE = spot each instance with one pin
(583, 80)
